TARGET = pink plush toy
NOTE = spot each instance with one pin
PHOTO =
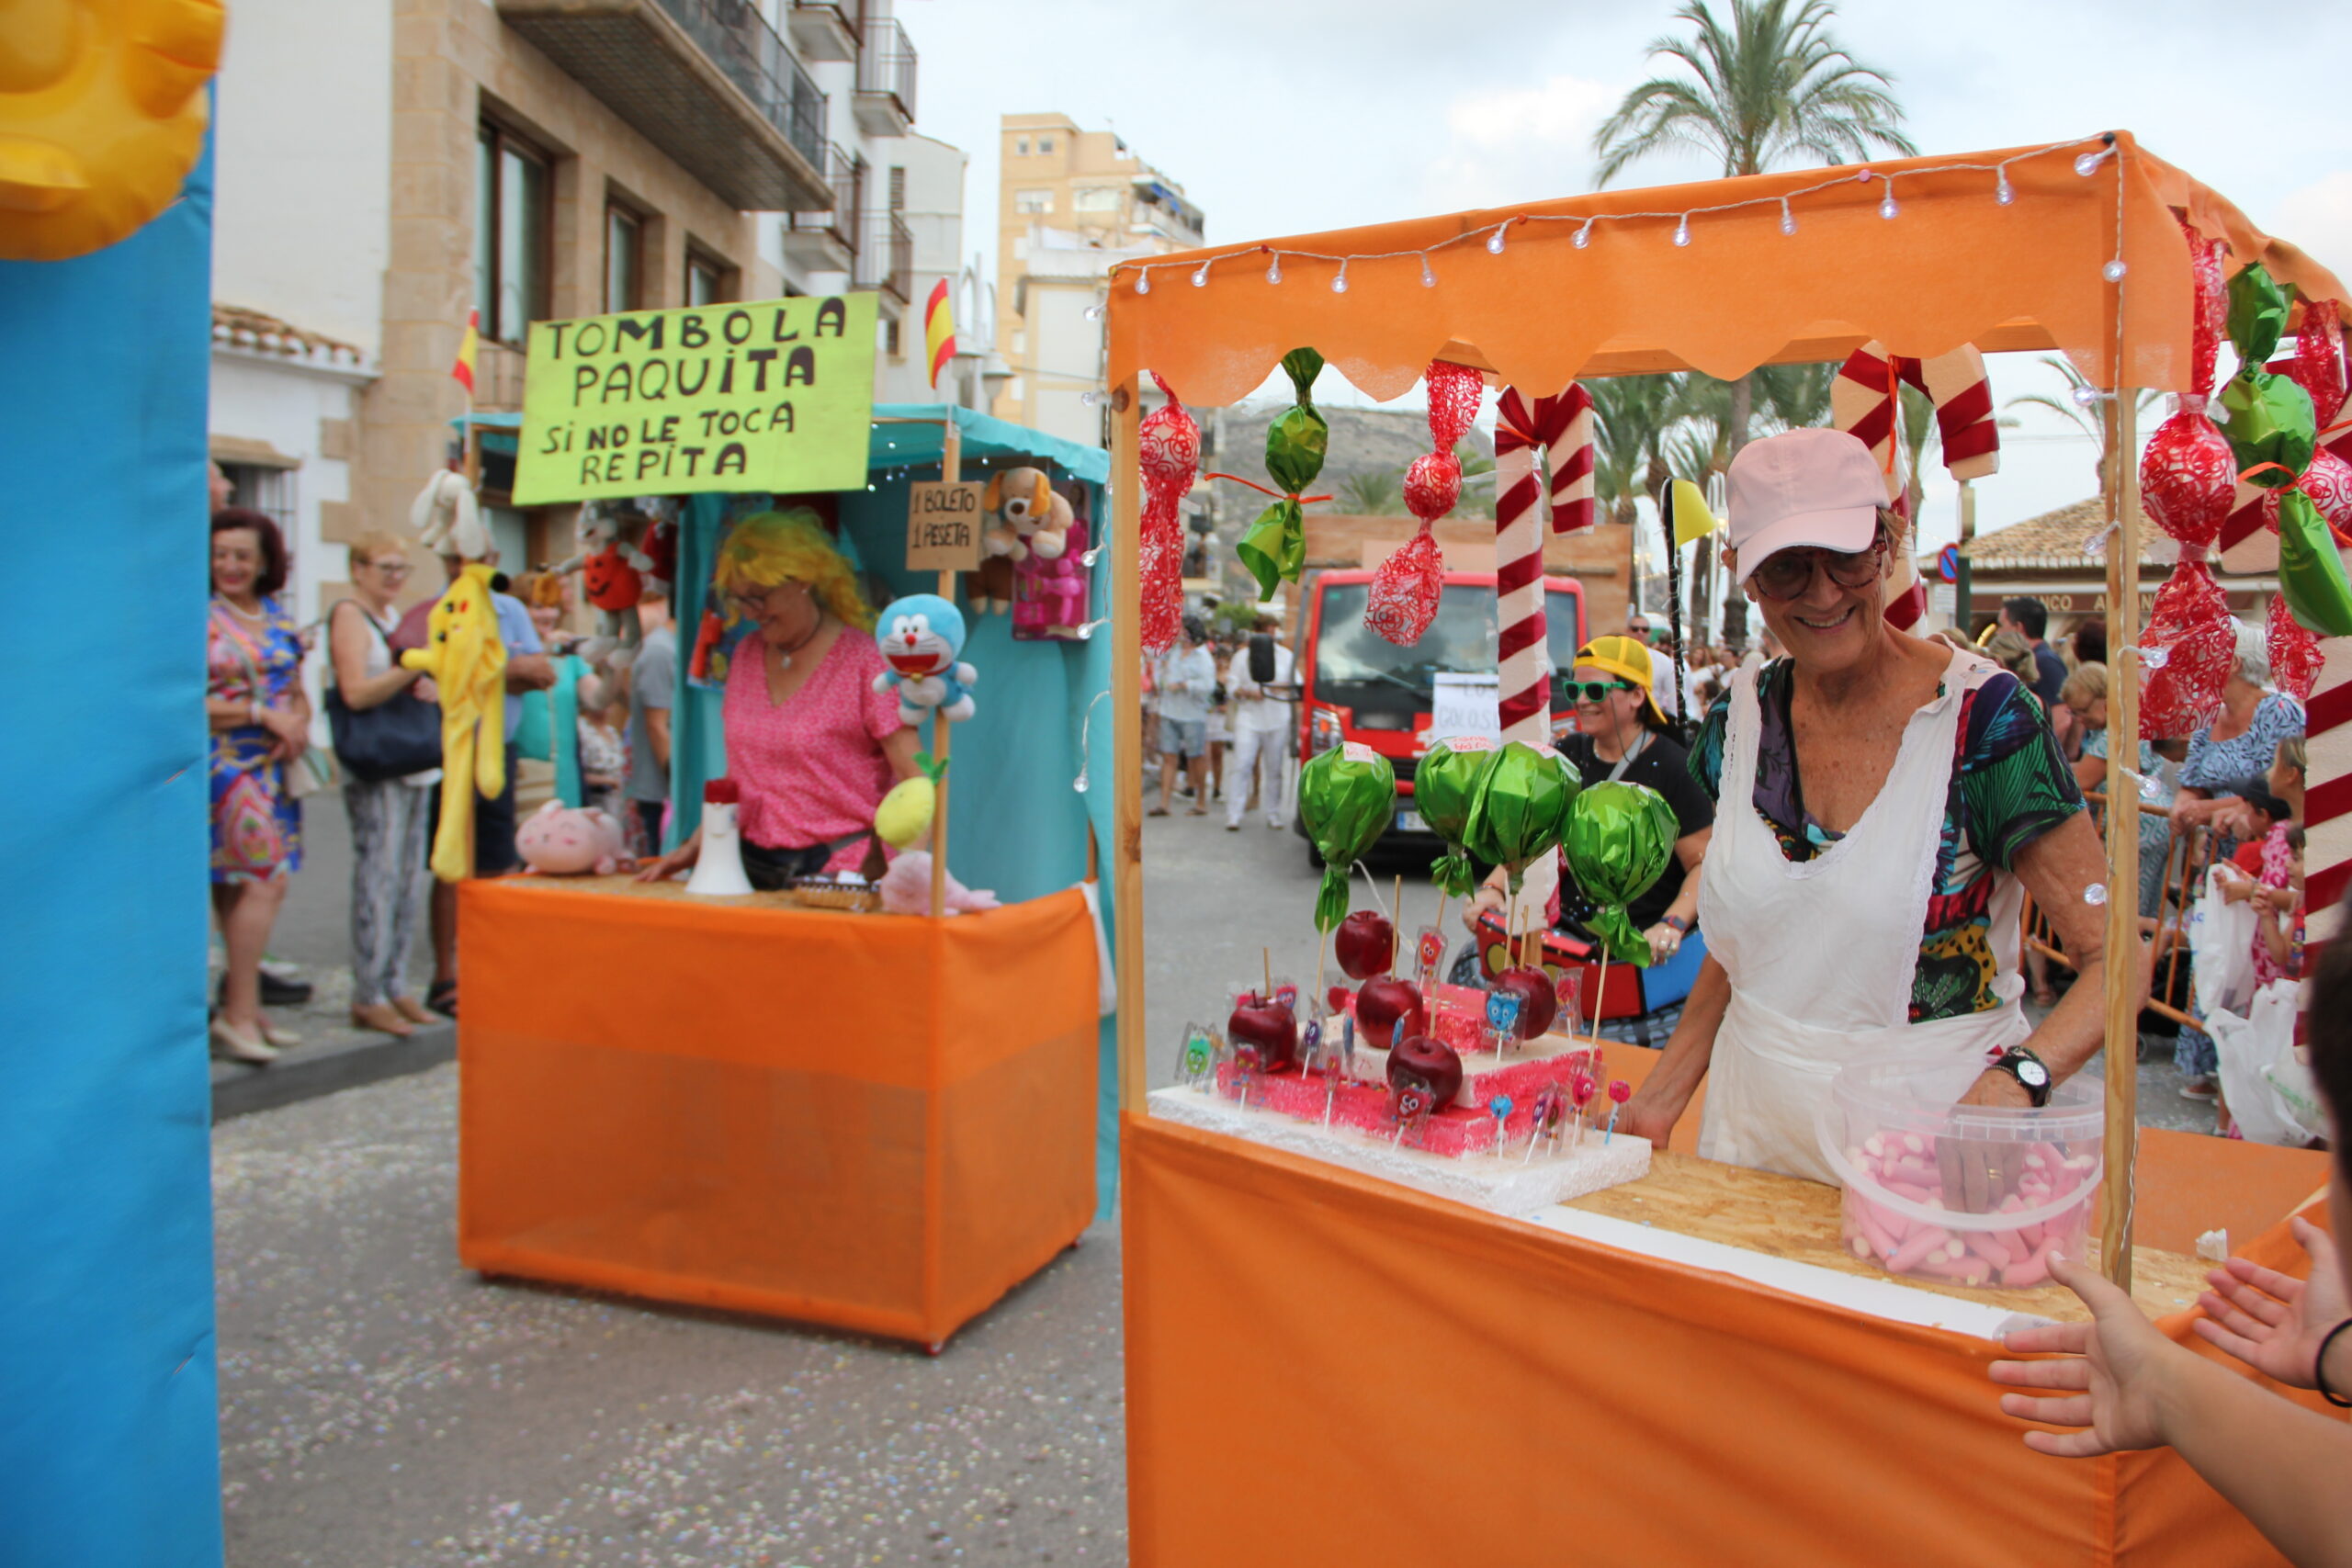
(561, 840)
(906, 889)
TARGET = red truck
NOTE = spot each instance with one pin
(1355, 685)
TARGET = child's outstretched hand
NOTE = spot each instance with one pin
(2273, 1322)
(2110, 1374)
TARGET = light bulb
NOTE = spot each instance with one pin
(1683, 231)
(2002, 192)
(1584, 234)
(2089, 163)
(2113, 270)
(1495, 240)
(1274, 268)
(1788, 219)
(2085, 395)
(1887, 208)
(1094, 313)
(1339, 281)
(1201, 278)
(1429, 278)
(1143, 281)
(1091, 400)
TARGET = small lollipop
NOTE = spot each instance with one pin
(1581, 1088)
(1551, 1107)
(1500, 1107)
(1620, 1092)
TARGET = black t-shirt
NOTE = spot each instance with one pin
(1665, 766)
(2049, 676)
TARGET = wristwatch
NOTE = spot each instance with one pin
(2032, 1076)
(1677, 921)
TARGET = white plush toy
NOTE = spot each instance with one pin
(447, 519)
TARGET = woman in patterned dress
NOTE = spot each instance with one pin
(260, 719)
(1884, 802)
(811, 743)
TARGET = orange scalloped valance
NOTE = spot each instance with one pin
(1954, 265)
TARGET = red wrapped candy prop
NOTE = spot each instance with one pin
(2188, 482)
(1404, 590)
(2295, 658)
(1169, 451)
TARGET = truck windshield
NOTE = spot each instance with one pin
(1461, 639)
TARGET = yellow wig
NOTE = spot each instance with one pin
(775, 548)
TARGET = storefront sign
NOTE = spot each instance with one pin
(943, 526)
(773, 396)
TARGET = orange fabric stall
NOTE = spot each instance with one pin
(876, 1121)
(1325, 1367)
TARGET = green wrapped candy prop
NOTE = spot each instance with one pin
(2258, 309)
(2311, 568)
(1274, 546)
(2269, 425)
(1445, 785)
(1346, 797)
(1619, 838)
(1520, 807)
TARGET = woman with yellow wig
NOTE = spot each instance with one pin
(810, 744)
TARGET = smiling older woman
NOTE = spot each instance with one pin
(811, 743)
(1884, 802)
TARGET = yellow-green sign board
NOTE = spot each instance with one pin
(773, 396)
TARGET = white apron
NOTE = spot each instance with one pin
(1821, 953)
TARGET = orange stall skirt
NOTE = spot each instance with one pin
(876, 1122)
(1327, 1368)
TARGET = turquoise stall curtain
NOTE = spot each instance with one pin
(1016, 821)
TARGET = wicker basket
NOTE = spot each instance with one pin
(818, 893)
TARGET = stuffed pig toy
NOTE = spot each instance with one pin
(562, 841)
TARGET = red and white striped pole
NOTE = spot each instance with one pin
(1561, 426)
(1865, 401)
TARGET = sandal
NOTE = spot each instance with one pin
(1157, 811)
(442, 998)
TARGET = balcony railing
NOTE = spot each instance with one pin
(887, 261)
(846, 174)
(740, 43)
(823, 29)
(887, 65)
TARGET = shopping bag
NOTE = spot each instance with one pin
(2270, 1093)
(2221, 938)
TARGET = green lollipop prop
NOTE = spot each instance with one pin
(1445, 783)
(1519, 808)
(1619, 838)
(1346, 797)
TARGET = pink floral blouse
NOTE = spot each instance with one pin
(811, 767)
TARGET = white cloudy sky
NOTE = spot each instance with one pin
(1289, 116)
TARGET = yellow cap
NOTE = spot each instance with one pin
(1626, 656)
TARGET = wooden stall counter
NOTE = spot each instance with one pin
(880, 1123)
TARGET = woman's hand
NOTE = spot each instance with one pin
(2189, 809)
(683, 858)
(1489, 900)
(2115, 1370)
(2273, 1322)
(2236, 884)
(1665, 941)
(293, 737)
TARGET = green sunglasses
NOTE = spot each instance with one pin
(1595, 691)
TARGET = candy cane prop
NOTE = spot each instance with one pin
(1865, 401)
(1561, 425)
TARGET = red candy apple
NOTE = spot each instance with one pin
(1366, 945)
(1388, 1009)
(1418, 1061)
(1539, 1003)
(1265, 1029)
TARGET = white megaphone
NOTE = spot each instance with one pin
(719, 871)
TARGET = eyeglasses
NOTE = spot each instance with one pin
(752, 604)
(391, 568)
(1595, 691)
(1789, 573)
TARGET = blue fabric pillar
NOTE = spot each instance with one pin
(109, 1432)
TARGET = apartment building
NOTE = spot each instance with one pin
(387, 166)
(1072, 204)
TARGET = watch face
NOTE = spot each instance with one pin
(2033, 1075)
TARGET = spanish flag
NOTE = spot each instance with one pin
(467, 347)
(938, 330)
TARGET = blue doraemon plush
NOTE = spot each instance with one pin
(920, 637)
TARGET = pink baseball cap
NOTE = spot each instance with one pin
(1803, 487)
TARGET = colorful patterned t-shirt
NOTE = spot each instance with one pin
(2010, 785)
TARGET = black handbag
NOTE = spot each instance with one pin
(399, 736)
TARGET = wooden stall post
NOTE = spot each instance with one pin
(951, 469)
(1126, 697)
(2122, 1141)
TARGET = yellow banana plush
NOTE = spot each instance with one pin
(466, 660)
(905, 814)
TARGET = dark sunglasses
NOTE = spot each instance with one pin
(1595, 691)
(1788, 573)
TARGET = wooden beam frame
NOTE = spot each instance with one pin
(1127, 697)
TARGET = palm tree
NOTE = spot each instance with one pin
(1378, 493)
(1774, 88)
(2079, 413)
(1477, 472)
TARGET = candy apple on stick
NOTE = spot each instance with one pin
(1388, 1009)
(1365, 945)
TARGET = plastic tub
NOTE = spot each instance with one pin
(1975, 1195)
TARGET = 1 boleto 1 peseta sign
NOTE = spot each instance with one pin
(773, 396)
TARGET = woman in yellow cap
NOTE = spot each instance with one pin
(1622, 734)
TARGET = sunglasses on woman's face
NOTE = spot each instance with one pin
(1595, 691)
(1789, 573)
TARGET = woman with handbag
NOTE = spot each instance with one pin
(388, 740)
(260, 721)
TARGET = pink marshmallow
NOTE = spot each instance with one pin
(1866, 1225)
(1967, 1271)
(2034, 1270)
(1913, 1190)
(1989, 1247)
(1923, 1241)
